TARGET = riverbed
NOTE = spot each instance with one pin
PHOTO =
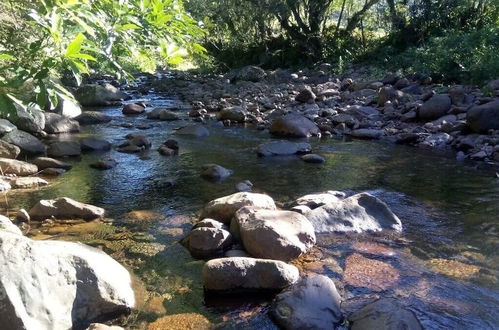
(444, 267)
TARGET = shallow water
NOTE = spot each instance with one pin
(444, 267)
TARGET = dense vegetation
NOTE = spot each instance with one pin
(42, 41)
(458, 38)
(45, 40)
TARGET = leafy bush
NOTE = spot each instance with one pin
(40, 40)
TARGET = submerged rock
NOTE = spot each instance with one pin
(46, 162)
(294, 125)
(358, 213)
(215, 173)
(59, 285)
(283, 148)
(248, 274)
(104, 164)
(93, 144)
(224, 208)
(92, 118)
(384, 314)
(198, 131)
(273, 234)
(65, 208)
(312, 303)
(64, 149)
(313, 159)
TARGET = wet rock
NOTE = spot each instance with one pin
(375, 275)
(436, 107)
(314, 201)
(247, 73)
(165, 151)
(305, 96)
(59, 285)
(22, 216)
(384, 314)
(209, 223)
(215, 173)
(135, 142)
(56, 124)
(167, 115)
(482, 118)
(248, 274)
(346, 119)
(46, 162)
(198, 131)
(104, 164)
(133, 109)
(358, 213)
(93, 144)
(28, 182)
(294, 125)
(244, 186)
(6, 127)
(17, 167)
(234, 114)
(205, 242)
(99, 95)
(8, 150)
(92, 118)
(367, 133)
(25, 141)
(312, 303)
(65, 208)
(6, 226)
(283, 148)
(272, 234)
(224, 208)
(191, 321)
(313, 158)
(52, 171)
(64, 149)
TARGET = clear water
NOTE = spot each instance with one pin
(449, 210)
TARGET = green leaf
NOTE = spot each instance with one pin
(5, 57)
(74, 46)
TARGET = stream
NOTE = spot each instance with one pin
(444, 267)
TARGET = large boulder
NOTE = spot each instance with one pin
(482, 118)
(198, 131)
(437, 106)
(208, 242)
(46, 162)
(17, 167)
(99, 95)
(312, 303)
(283, 148)
(67, 107)
(247, 73)
(92, 118)
(7, 226)
(30, 119)
(358, 213)
(59, 285)
(55, 124)
(384, 314)
(235, 114)
(273, 234)
(248, 274)
(8, 150)
(26, 142)
(314, 201)
(64, 149)
(294, 125)
(65, 208)
(224, 208)
(6, 127)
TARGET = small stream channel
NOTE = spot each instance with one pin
(444, 267)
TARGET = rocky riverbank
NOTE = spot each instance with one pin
(250, 242)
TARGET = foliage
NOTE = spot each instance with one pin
(43, 39)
